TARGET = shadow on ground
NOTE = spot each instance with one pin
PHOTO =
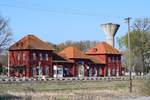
(9, 97)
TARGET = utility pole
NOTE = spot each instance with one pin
(127, 20)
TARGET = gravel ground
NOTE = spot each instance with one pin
(78, 90)
(69, 96)
(139, 98)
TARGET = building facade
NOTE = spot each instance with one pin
(83, 66)
(109, 56)
(62, 66)
(30, 57)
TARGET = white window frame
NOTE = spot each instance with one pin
(41, 57)
(46, 56)
(23, 56)
(34, 56)
(18, 57)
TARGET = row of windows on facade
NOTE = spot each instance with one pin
(41, 57)
(113, 59)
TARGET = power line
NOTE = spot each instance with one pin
(62, 12)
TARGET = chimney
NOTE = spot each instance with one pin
(110, 30)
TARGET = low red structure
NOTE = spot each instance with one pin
(84, 66)
(30, 57)
(109, 56)
(62, 66)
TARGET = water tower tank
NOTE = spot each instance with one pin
(110, 30)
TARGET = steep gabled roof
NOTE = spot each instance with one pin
(30, 42)
(73, 52)
(103, 48)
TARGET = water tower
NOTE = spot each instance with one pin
(110, 30)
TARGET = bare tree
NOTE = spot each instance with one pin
(5, 33)
(140, 43)
(81, 45)
(141, 24)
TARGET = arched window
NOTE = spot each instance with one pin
(90, 72)
(39, 71)
(46, 70)
(100, 72)
(108, 71)
(95, 72)
(114, 72)
(34, 71)
(81, 71)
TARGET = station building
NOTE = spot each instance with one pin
(32, 57)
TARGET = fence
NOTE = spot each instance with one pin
(120, 78)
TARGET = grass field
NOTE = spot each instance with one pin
(72, 90)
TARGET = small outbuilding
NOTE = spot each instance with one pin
(84, 66)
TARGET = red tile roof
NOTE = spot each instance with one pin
(96, 59)
(103, 48)
(30, 42)
(73, 52)
(59, 58)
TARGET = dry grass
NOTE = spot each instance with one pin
(80, 90)
(144, 88)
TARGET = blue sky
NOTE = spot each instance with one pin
(59, 20)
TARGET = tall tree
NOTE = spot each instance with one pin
(140, 43)
(81, 45)
(5, 33)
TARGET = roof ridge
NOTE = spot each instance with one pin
(30, 42)
(103, 48)
(73, 52)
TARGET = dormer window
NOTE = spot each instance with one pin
(94, 49)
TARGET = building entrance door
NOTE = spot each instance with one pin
(58, 71)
